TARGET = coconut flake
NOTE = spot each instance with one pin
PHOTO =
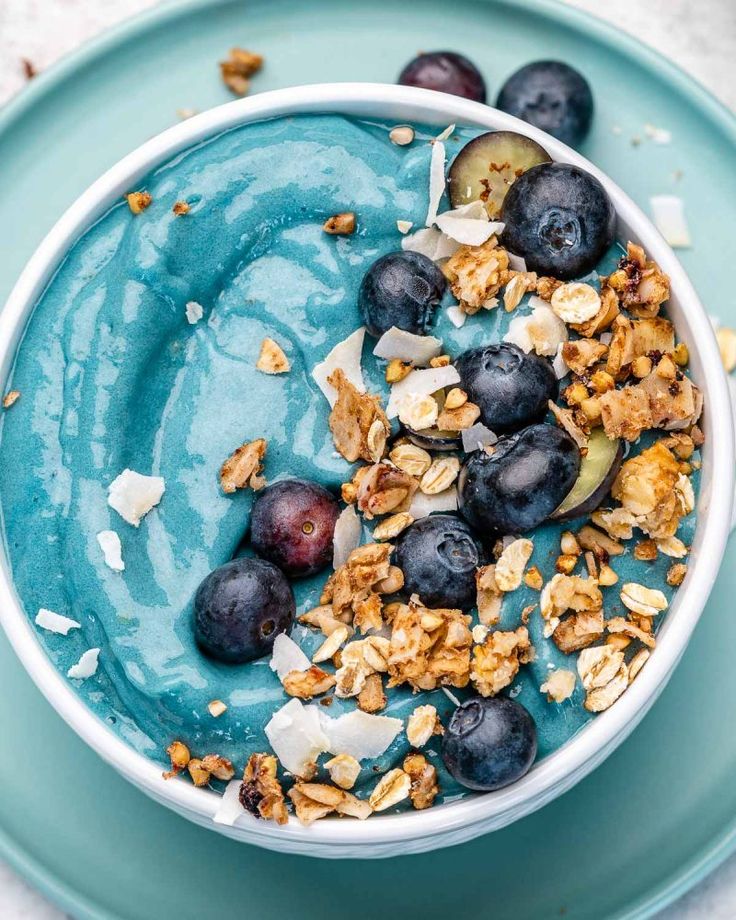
(559, 365)
(287, 656)
(55, 622)
(477, 437)
(112, 550)
(443, 135)
(658, 135)
(296, 736)
(456, 316)
(347, 534)
(133, 495)
(422, 383)
(431, 243)
(86, 666)
(229, 808)
(450, 696)
(436, 180)
(541, 330)
(468, 224)
(416, 349)
(516, 263)
(423, 505)
(360, 734)
(669, 216)
(404, 226)
(194, 312)
(346, 355)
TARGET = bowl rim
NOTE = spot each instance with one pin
(583, 751)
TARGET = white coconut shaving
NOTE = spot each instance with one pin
(468, 224)
(346, 355)
(456, 316)
(296, 736)
(423, 505)
(516, 263)
(669, 216)
(287, 657)
(558, 364)
(423, 383)
(133, 495)
(436, 180)
(347, 535)
(477, 437)
(443, 135)
(658, 135)
(55, 622)
(111, 549)
(86, 666)
(360, 734)
(541, 331)
(194, 312)
(431, 243)
(415, 349)
(229, 808)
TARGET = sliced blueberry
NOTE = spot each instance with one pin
(560, 219)
(433, 438)
(553, 97)
(521, 483)
(445, 72)
(400, 289)
(240, 608)
(292, 525)
(438, 556)
(487, 166)
(489, 743)
(598, 469)
(511, 388)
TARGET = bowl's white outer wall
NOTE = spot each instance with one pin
(414, 832)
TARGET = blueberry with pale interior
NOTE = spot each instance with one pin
(598, 469)
(520, 484)
(292, 524)
(553, 97)
(487, 166)
(445, 72)
(560, 219)
(240, 608)
(400, 289)
(439, 556)
(489, 743)
(511, 388)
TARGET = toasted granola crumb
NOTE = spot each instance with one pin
(199, 773)
(272, 359)
(681, 354)
(645, 551)
(243, 467)
(496, 662)
(340, 224)
(138, 201)
(240, 65)
(620, 625)
(219, 767)
(578, 631)
(260, 791)
(216, 708)
(455, 398)
(372, 697)
(306, 684)
(179, 756)
(418, 410)
(344, 770)
(351, 418)
(10, 398)
(489, 595)
(383, 489)
(476, 274)
(423, 776)
(422, 724)
(392, 788)
(559, 685)
(676, 574)
(566, 563)
(533, 578)
(180, 208)
(464, 416)
(604, 674)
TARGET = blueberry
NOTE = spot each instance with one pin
(560, 219)
(446, 72)
(400, 289)
(521, 483)
(489, 743)
(292, 525)
(240, 608)
(553, 97)
(438, 556)
(510, 388)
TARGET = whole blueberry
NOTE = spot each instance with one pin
(240, 608)
(560, 219)
(400, 289)
(445, 72)
(489, 743)
(511, 388)
(438, 556)
(292, 524)
(521, 483)
(553, 97)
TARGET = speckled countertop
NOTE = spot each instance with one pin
(700, 38)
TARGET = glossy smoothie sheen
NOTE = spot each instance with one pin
(112, 375)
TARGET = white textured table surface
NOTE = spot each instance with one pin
(700, 37)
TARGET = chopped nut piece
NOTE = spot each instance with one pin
(569, 545)
(642, 366)
(352, 416)
(533, 578)
(383, 488)
(418, 410)
(676, 574)
(180, 208)
(179, 756)
(316, 800)
(391, 789)
(455, 398)
(11, 398)
(391, 527)
(392, 583)
(272, 359)
(138, 201)
(621, 625)
(559, 685)
(243, 467)
(646, 601)
(489, 595)
(645, 551)
(727, 347)
(411, 459)
(598, 542)
(640, 283)
(340, 224)
(568, 592)
(199, 773)
(331, 644)
(423, 776)
(580, 354)
(397, 369)
(566, 564)
(591, 564)
(309, 683)
(216, 708)
(401, 135)
(459, 419)
(440, 361)
(618, 641)
(440, 475)
(344, 770)
(260, 791)
(219, 767)
(511, 563)
(607, 576)
(372, 698)
(578, 631)
(681, 356)
(476, 274)
(322, 618)
(422, 724)
(238, 67)
(496, 662)
(376, 440)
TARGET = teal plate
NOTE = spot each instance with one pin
(661, 812)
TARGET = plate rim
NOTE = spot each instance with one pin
(723, 844)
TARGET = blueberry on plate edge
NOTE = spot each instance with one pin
(445, 72)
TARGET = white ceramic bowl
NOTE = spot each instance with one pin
(413, 832)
